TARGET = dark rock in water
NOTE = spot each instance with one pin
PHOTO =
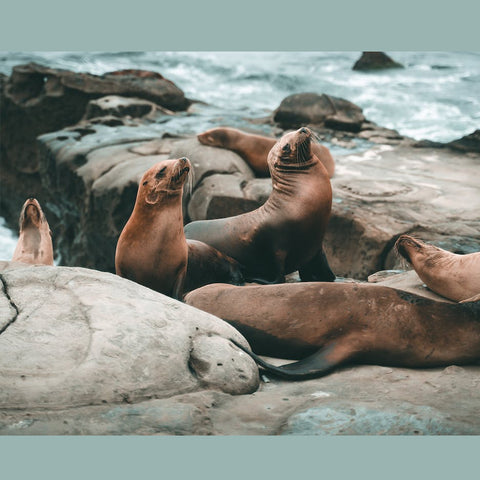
(36, 99)
(324, 110)
(428, 144)
(468, 143)
(375, 61)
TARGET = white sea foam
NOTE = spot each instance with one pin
(8, 241)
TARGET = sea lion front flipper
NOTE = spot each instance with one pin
(206, 264)
(317, 269)
(315, 365)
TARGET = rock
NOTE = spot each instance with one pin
(90, 176)
(376, 197)
(324, 110)
(80, 337)
(219, 196)
(408, 281)
(468, 143)
(208, 161)
(375, 61)
(115, 106)
(36, 99)
(364, 400)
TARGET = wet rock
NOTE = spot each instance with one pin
(324, 110)
(94, 338)
(375, 61)
(468, 143)
(36, 99)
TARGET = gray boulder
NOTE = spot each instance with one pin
(322, 110)
(387, 191)
(75, 337)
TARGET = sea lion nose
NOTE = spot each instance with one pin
(303, 130)
(184, 159)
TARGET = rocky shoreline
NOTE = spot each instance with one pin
(80, 143)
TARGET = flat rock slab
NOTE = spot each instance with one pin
(433, 194)
(73, 336)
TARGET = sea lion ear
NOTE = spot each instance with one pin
(152, 197)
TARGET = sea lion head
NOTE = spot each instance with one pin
(409, 247)
(216, 137)
(34, 244)
(164, 180)
(292, 152)
(31, 215)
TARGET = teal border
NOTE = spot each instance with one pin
(92, 25)
(239, 25)
(239, 457)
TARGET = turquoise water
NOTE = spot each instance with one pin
(437, 95)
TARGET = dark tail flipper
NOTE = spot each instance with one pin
(315, 365)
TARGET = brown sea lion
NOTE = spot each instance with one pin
(254, 149)
(152, 249)
(331, 324)
(34, 244)
(286, 233)
(456, 277)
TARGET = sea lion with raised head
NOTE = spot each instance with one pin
(152, 249)
(286, 233)
(456, 277)
(34, 244)
(331, 324)
(254, 148)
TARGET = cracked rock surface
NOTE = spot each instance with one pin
(83, 337)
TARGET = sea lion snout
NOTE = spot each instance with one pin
(403, 243)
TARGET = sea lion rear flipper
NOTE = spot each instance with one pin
(315, 365)
(317, 269)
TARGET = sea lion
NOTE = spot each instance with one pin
(331, 324)
(152, 249)
(284, 234)
(254, 149)
(456, 277)
(34, 244)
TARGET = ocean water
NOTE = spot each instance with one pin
(436, 96)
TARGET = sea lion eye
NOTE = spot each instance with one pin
(144, 183)
(286, 148)
(161, 173)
